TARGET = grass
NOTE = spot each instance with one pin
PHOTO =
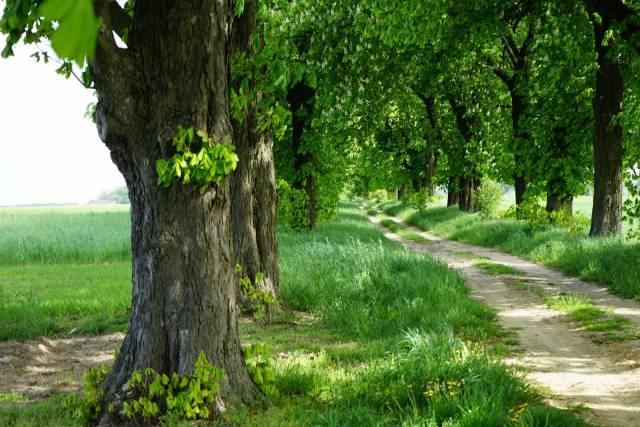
(588, 316)
(63, 300)
(497, 269)
(374, 335)
(605, 260)
(65, 235)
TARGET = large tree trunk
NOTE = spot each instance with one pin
(183, 293)
(253, 186)
(606, 216)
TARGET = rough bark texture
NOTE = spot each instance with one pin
(517, 82)
(432, 157)
(453, 194)
(559, 195)
(301, 100)
(558, 203)
(468, 181)
(175, 71)
(606, 216)
(253, 184)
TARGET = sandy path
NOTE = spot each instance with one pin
(555, 352)
(37, 369)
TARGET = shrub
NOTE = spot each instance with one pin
(417, 199)
(379, 196)
(150, 395)
(488, 197)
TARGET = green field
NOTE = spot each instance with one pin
(373, 334)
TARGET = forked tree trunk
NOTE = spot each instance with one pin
(253, 186)
(183, 293)
(606, 217)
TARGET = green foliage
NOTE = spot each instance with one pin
(488, 198)
(118, 195)
(75, 36)
(87, 408)
(539, 218)
(293, 206)
(259, 363)
(150, 394)
(417, 199)
(197, 159)
(261, 301)
(378, 196)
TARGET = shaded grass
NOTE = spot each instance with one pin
(384, 337)
(606, 260)
(497, 269)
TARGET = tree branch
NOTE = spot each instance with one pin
(507, 79)
(509, 46)
(120, 20)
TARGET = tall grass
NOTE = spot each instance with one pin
(611, 261)
(64, 235)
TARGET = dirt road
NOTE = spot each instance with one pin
(556, 353)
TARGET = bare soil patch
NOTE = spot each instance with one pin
(38, 369)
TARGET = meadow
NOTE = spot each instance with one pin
(370, 333)
(611, 261)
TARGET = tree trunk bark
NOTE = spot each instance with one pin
(402, 191)
(522, 139)
(253, 186)
(557, 203)
(432, 159)
(606, 217)
(183, 282)
(467, 186)
(453, 192)
(432, 164)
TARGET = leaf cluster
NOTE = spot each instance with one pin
(204, 167)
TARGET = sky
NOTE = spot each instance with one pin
(49, 152)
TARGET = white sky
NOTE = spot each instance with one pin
(49, 152)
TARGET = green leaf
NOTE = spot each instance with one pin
(76, 35)
(238, 7)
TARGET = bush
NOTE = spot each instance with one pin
(292, 206)
(417, 199)
(488, 197)
(379, 196)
